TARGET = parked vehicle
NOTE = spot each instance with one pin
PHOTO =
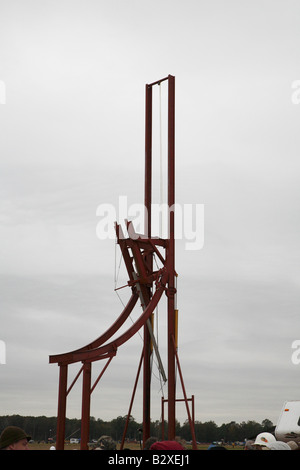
(288, 426)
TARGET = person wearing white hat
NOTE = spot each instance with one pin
(263, 440)
(279, 445)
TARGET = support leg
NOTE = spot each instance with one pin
(62, 403)
(85, 413)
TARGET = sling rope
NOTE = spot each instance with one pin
(160, 162)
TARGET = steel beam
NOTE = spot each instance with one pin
(85, 411)
(62, 403)
(171, 258)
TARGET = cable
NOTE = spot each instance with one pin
(161, 163)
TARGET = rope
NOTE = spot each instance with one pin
(116, 276)
(117, 268)
(160, 161)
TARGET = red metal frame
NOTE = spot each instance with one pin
(148, 285)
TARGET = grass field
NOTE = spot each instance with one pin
(132, 446)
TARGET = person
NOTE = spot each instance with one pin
(293, 445)
(14, 438)
(216, 447)
(149, 442)
(181, 441)
(249, 444)
(166, 445)
(278, 445)
(263, 441)
(105, 443)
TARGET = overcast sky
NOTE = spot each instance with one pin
(73, 77)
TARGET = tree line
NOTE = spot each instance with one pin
(42, 428)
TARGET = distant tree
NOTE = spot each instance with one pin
(249, 430)
(41, 428)
(267, 425)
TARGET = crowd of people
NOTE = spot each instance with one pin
(267, 441)
(107, 443)
(15, 438)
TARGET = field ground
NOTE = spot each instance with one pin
(132, 446)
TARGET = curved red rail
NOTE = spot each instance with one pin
(69, 356)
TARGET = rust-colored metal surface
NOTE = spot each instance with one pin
(147, 284)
